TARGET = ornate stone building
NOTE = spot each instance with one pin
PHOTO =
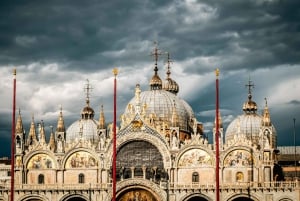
(162, 154)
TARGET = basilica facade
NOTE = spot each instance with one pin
(162, 154)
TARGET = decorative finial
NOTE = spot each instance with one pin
(115, 72)
(88, 89)
(155, 54)
(14, 73)
(250, 85)
(266, 102)
(168, 65)
(217, 71)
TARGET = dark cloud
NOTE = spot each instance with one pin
(58, 44)
(294, 102)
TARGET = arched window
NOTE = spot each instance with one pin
(41, 179)
(195, 177)
(81, 178)
(18, 142)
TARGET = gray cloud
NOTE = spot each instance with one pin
(57, 45)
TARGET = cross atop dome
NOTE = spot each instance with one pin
(156, 52)
(88, 90)
(250, 86)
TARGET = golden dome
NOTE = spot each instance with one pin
(87, 112)
(155, 82)
(250, 106)
(171, 86)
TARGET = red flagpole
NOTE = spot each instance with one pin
(217, 138)
(12, 170)
(114, 166)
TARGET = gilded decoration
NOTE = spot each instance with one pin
(238, 158)
(195, 158)
(137, 195)
(81, 160)
(40, 161)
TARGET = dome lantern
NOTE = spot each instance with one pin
(250, 107)
(155, 82)
(87, 112)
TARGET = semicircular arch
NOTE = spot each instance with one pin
(195, 197)
(80, 157)
(33, 197)
(239, 156)
(141, 136)
(194, 157)
(147, 189)
(41, 160)
(242, 197)
(74, 197)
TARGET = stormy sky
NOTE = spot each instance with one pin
(57, 45)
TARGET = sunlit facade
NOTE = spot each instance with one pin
(162, 154)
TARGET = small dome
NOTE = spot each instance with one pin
(155, 82)
(249, 125)
(87, 112)
(250, 106)
(246, 124)
(171, 86)
(84, 128)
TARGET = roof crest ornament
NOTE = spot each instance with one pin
(250, 85)
(169, 61)
(88, 90)
(266, 102)
(156, 52)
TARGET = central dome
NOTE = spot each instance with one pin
(163, 105)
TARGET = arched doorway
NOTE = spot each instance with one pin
(242, 199)
(197, 198)
(34, 199)
(136, 194)
(76, 199)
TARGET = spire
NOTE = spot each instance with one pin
(250, 106)
(266, 120)
(101, 119)
(155, 82)
(42, 136)
(169, 84)
(52, 140)
(32, 133)
(19, 125)
(60, 122)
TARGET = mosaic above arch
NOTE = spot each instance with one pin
(40, 161)
(195, 158)
(81, 159)
(238, 158)
(137, 195)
